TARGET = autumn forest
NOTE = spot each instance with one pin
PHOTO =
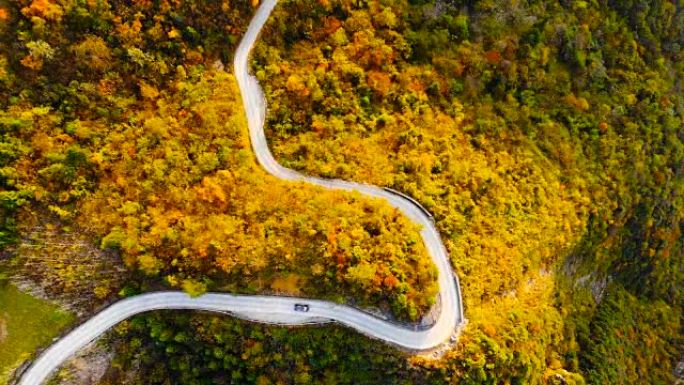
(546, 137)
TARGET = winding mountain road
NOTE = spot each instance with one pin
(273, 309)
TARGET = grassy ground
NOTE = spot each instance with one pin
(25, 324)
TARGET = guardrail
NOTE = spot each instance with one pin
(412, 200)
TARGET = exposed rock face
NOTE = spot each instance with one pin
(88, 367)
(66, 267)
(679, 372)
(218, 65)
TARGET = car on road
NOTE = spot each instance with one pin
(301, 307)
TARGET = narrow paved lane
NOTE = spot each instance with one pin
(272, 309)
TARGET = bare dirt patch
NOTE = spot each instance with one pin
(87, 367)
(3, 327)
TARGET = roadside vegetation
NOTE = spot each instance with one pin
(208, 349)
(119, 122)
(547, 139)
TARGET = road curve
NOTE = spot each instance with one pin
(273, 309)
(451, 314)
